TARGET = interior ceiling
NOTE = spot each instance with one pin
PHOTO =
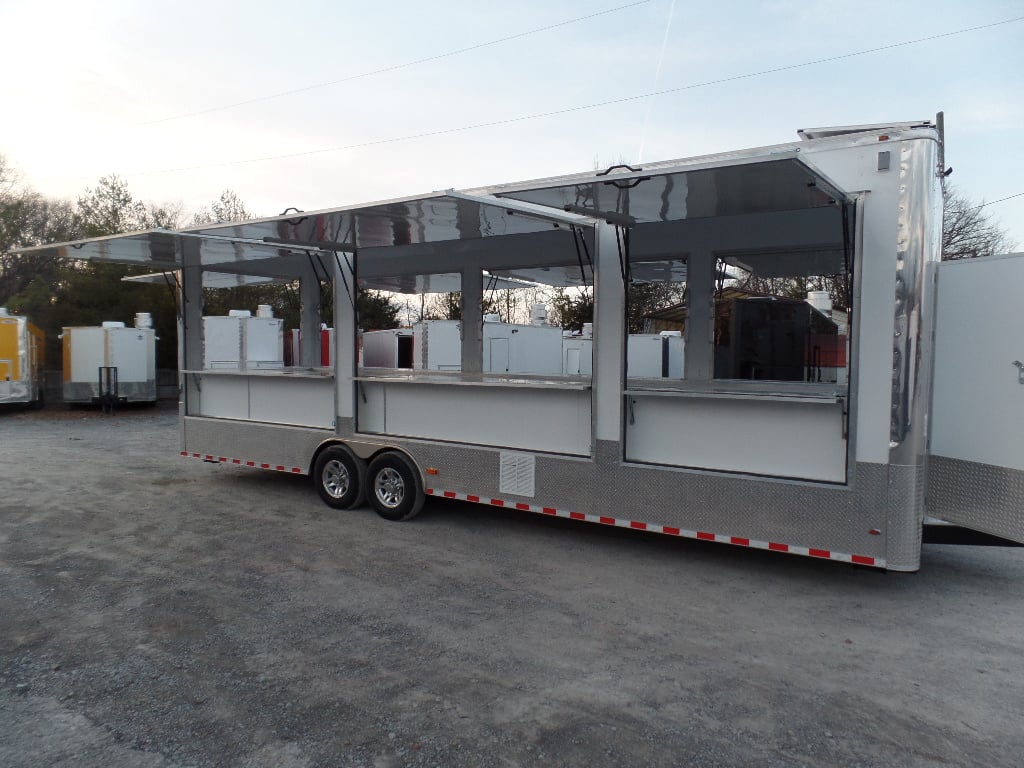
(436, 219)
(758, 187)
(450, 282)
(803, 263)
(421, 244)
(406, 222)
(210, 279)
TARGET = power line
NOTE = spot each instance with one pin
(993, 202)
(657, 77)
(394, 67)
(609, 102)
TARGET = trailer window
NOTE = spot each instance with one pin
(538, 313)
(413, 323)
(520, 305)
(656, 319)
(492, 362)
(782, 317)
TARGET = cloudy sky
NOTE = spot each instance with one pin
(317, 104)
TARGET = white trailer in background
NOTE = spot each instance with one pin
(239, 341)
(110, 363)
(655, 355)
(578, 351)
(437, 345)
(392, 348)
(518, 348)
(22, 353)
(750, 447)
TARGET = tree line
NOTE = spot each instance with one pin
(56, 293)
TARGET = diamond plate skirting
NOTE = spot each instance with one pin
(905, 517)
(813, 515)
(272, 444)
(981, 497)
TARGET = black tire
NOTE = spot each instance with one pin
(338, 476)
(394, 487)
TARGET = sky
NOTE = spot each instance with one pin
(316, 104)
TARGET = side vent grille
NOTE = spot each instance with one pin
(517, 470)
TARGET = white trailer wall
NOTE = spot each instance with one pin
(132, 351)
(239, 342)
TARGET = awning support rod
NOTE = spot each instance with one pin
(533, 210)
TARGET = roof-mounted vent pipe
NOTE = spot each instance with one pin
(3, 312)
(264, 310)
(143, 320)
(538, 314)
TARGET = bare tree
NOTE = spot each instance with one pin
(968, 231)
(228, 207)
(442, 306)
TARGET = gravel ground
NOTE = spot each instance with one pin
(158, 611)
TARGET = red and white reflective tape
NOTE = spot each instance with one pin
(241, 462)
(739, 541)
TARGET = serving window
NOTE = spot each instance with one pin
(782, 317)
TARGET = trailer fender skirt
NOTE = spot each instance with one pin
(637, 525)
(209, 457)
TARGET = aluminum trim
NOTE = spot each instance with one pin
(917, 247)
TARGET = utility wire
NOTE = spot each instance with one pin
(394, 67)
(609, 102)
(657, 77)
(993, 202)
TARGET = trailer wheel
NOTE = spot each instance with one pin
(338, 477)
(394, 487)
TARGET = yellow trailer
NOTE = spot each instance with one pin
(21, 360)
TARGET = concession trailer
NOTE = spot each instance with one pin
(21, 360)
(829, 431)
(110, 363)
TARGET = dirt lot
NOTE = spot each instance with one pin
(158, 611)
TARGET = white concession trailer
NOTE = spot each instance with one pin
(919, 412)
(110, 362)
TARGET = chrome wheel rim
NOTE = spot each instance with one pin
(389, 487)
(336, 479)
